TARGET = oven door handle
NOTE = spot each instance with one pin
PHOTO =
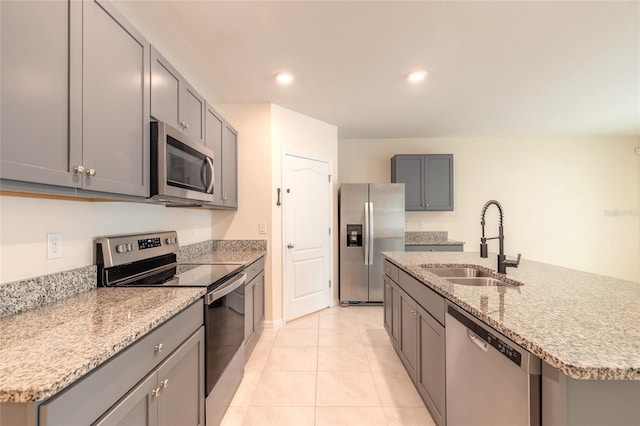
(225, 289)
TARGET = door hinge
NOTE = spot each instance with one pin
(329, 283)
(329, 231)
(329, 178)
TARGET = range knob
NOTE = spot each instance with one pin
(129, 247)
(121, 248)
(171, 240)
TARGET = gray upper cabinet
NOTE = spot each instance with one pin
(230, 167)
(174, 100)
(74, 97)
(223, 140)
(428, 180)
(35, 143)
(115, 76)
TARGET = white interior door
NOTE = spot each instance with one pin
(307, 212)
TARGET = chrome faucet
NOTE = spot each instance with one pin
(503, 263)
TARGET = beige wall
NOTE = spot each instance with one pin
(25, 222)
(569, 202)
(266, 131)
(294, 133)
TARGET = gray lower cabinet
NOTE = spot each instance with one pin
(174, 100)
(408, 343)
(223, 140)
(430, 378)
(170, 395)
(391, 309)
(428, 180)
(159, 380)
(419, 339)
(65, 67)
(254, 305)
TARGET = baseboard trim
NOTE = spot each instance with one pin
(273, 324)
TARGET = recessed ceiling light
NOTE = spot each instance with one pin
(416, 76)
(284, 78)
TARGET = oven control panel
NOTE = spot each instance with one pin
(122, 249)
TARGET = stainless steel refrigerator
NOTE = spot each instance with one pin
(371, 221)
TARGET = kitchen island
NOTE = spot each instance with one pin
(584, 327)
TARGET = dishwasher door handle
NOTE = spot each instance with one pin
(477, 341)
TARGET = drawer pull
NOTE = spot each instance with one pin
(164, 383)
(158, 348)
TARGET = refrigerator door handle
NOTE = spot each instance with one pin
(365, 243)
(371, 233)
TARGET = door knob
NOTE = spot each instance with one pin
(290, 245)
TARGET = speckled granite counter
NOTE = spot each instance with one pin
(586, 325)
(47, 348)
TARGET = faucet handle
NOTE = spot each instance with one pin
(513, 263)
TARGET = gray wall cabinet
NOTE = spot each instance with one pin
(174, 100)
(428, 180)
(65, 67)
(223, 140)
(414, 320)
(145, 384)
(254, 305)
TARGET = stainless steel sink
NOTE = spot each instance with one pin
(458, 272)
(481, 282)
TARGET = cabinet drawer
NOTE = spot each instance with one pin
(424, 296)
(254, 269)
(99, 389)
(391, 270)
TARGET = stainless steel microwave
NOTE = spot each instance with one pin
(182, 170)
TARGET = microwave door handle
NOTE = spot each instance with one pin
(212, 184)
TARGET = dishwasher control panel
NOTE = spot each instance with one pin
(500, 345)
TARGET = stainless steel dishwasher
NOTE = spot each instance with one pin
(490, 380)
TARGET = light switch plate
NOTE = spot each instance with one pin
(262, 228)
(637, 151)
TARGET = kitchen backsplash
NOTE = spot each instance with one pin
(19, 296)
(22, 295)
(426, 237)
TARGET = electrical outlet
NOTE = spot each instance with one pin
(193, 230)
(637, 151)
(421, 224)
(54, 246)
(262, 228)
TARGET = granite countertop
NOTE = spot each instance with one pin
(586, 325)
(49, 347)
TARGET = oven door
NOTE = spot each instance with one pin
(181, 169)
(224, 327)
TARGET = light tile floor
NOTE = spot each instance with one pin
(334, 367)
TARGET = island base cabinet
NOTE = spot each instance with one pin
(571, 402)
(430, 379)
(408, 343)
(392, 310)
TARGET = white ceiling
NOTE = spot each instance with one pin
(495, 69)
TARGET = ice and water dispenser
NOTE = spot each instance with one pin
(354, 235)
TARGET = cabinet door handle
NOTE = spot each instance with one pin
(155, 393)
(90, 172)
(159, 347)
(79, 169)
(164, 383)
